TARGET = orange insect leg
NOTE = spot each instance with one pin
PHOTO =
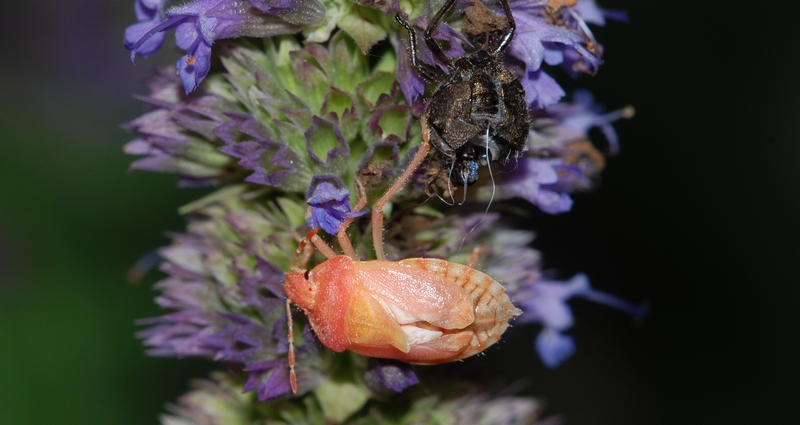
(341, 236)
(377, 210)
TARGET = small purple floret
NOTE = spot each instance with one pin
(554, 347)
(149, 13)
(200, 23)
(328, 204)
(391, 374)
(529, 182)
(545, 302)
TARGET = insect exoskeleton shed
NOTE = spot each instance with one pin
(478, 113)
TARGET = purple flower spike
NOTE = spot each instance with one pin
(328, 204)
(390, 374)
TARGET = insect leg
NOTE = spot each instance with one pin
(377, 210)
(427, 72)
(322, 246)
(511, 27)
(290, 338)
(432, 44)
(341, 235)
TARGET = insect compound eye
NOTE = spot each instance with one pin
(306, 273)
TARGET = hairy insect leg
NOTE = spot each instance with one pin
(341, 235)
(512, 26)
(321, 245)
(290, 338)
(377, 209)
(432, 44)
(426, 71)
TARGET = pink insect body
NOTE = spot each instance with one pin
(417, 310)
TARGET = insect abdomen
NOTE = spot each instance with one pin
(492, 306)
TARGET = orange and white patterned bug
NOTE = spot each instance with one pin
(417, 310)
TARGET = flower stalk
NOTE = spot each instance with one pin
(284, 106)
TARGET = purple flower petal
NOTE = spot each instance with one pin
(541, 89)
(328, 204)
(529, 181)
(194, 66)
(137, 31)
(202, 22)
(269, 378)
(554, 347)
(552, 202)
(411, 83)
(546, 302)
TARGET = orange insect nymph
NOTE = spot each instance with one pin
(417, 310)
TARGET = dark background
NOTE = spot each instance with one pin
(697, 216)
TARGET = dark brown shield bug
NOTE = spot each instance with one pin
(478, 113)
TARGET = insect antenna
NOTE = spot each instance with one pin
(290, 338)
(306, 253)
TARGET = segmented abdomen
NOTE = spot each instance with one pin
(492, 306)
